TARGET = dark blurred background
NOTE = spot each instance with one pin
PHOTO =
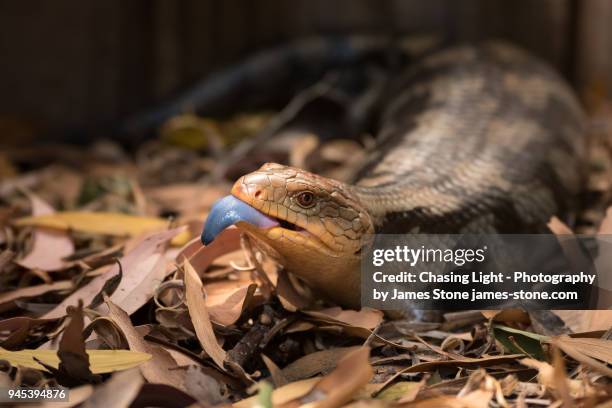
(76, 63)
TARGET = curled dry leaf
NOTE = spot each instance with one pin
(201, 257)
(161, 368)
(200, 316)
(49, 247)
(226, 307)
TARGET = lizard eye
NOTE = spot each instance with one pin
(306, 199)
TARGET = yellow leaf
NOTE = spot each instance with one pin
(100, 361)
(115, 224)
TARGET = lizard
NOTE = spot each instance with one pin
(481, 138)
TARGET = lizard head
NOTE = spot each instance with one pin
(314, 223)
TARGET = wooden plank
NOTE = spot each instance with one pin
(45, 47)
(594, 45)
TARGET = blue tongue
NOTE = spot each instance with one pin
(228, 211)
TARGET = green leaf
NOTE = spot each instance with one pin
(264, 396)
(520, 341)
(397, 390)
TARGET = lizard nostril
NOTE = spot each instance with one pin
(257, 193)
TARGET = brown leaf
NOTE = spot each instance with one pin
(283, 395)
(366, 317)
(276, 373)
(202, 386)
(77, 396)
(337, 388)
(49, 247)
(226, 242)
(36, 290)
(19, 328)
(507, 316)
(164, 395)
(291, 299)
(586, 351)
(548, 378)
(162, 367)
(199, 315)
(320, 362)
(143, 267)
(74, 362)
(475, 399)
(226, 307)
(119, 391)
(464, 363)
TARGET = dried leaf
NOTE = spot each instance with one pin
(337, 388)
(284, 394)
(226, 242)
(548, 378)
(275, 372)
(203, 387)
(586, 350)
(143, 268)
(115, 224)
(404, 391)
(475, 399)
(199, 315)
(119, 391)
(161, 367)
(74, 367)
(77, 396)
(366, 318)
(320, 362)
(226, 308)
(36, 290)
(507, 315)
(49, 247)
(100, 361)
(19, 328)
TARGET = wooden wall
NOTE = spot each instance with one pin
(74, 62)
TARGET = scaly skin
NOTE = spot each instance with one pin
(330, 232)
(471, 139)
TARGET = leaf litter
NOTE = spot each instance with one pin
(105, 288)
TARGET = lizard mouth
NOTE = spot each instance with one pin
(230, 210)
(289, 226)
